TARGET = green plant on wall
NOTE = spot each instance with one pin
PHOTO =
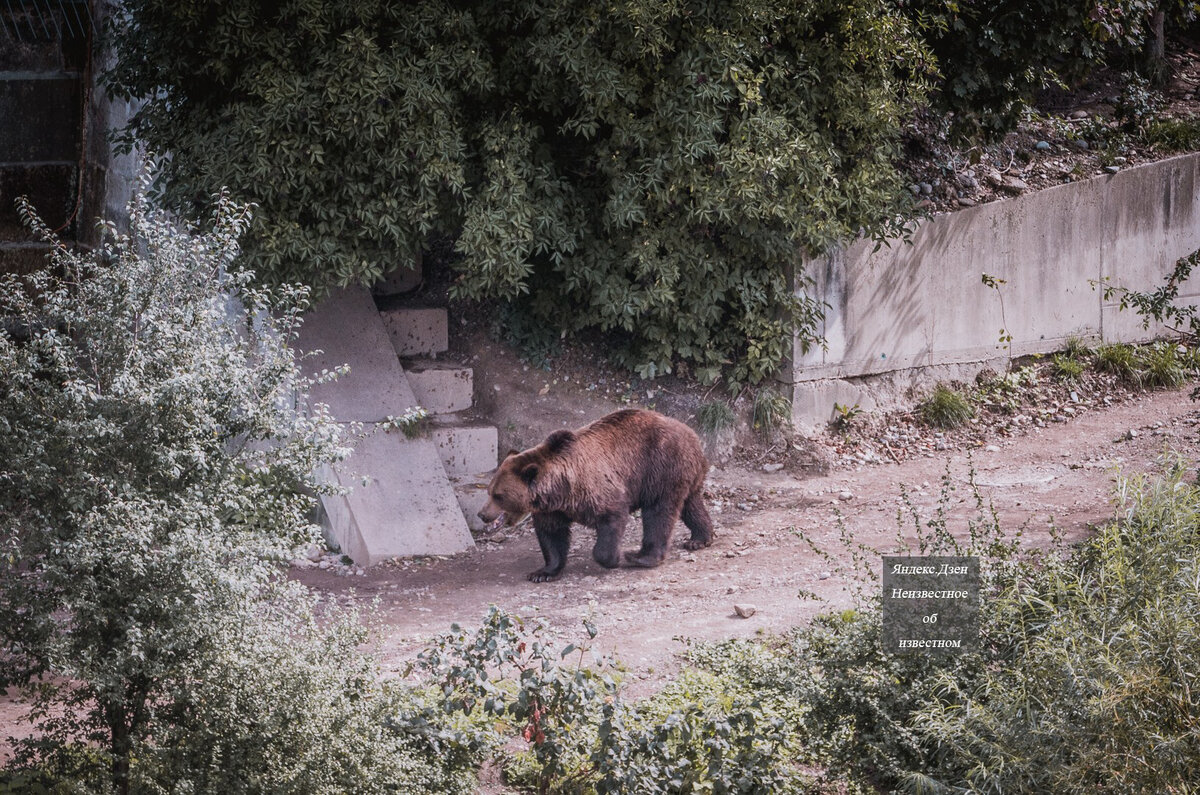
(1006, 337)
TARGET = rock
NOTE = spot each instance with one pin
(967, 181)
(1042, 145)
(1112, 169)
(772, 467)
(914, 189)
(825, 575)
(1013, 185)
(992, 448)
(926, 188)
(1082, 144)
(745, 610)
(994, 179)
(845, 495)
(1132, 434)
(963, 201)
(1079, 114)
(313, 552)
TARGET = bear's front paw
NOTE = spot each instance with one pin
(541, 575)
(642, 561)
(694, 544)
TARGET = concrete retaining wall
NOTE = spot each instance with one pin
(907, 307)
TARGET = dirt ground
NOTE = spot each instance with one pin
(1063, 473)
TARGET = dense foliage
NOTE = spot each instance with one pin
(641, 168)
(995, 55)
(155, 469)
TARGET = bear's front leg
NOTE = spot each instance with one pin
(609, 530)
(554, 536)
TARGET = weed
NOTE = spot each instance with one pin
(772, 411)
(1006, 337)
(1175, 135)
(715, 416)
(1118, 359)
(946, 408)
(845, 416)
(1076, 348)
(1066, 367)
(1162, 366)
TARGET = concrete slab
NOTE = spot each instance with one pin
(467, 450)
(440, 387)
(472, 496)
(407, 505)
(346, 329)
(417, 332)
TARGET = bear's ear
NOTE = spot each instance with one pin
(509, 455)
(559, 441)
(529, 474)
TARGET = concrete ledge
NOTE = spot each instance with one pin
(472, 496)
(440, 387)
(416, 332)
(467, 450)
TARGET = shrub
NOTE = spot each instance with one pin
(946, 408)
(994, 55)
(581, 736)
(641, 170)
(156, 465)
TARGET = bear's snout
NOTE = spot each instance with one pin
(489, 513)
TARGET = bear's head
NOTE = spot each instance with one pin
(528, 482)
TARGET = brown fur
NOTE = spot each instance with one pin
(599, 474)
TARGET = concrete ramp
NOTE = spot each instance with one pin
(407, 505)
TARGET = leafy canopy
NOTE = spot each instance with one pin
(647, 169)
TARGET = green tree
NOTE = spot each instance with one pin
(647, 169)
(155, 468)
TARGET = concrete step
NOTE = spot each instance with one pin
(466, 449)
(472, 495)
(416, 331)
(440, 387)
(408, 506)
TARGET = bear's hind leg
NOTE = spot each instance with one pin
(554, 536)
(695, 516)
(657, 523)
(609, 530)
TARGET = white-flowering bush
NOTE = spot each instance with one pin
(156, 460)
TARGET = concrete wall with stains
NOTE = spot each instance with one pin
(908, 307)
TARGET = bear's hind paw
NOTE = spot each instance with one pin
(541, 575)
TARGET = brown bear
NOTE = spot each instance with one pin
(597, 476)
